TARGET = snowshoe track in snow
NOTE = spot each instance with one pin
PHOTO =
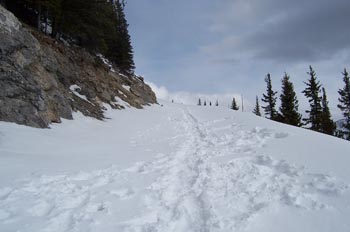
(216, 180)
(195, 194)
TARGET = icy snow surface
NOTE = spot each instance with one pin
(126, 87)
(75, 89)
(173, 168)
(119, 101)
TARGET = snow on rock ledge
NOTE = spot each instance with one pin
(36, 73)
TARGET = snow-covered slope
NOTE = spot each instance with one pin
(173, 168)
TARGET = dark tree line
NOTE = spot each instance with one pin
(205, 103)
(318, 116)
(97, 25)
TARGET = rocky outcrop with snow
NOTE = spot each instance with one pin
(42, 80)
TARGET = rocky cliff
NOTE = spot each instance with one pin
(42, 80)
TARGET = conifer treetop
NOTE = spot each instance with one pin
(270, 99)
(312, 91)
(289, 103)
(256, 110)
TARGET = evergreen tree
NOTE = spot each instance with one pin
(217, 103)
(312, 92)
(199, 102)
(210, 103)
(344, 104)
(234, 105)
(270, 99)
(121, 53)
(205, 103)
(327, 124)
(97, 25)
(289, 103)
(91, 24)
(25, 10)
(256, 110)
(41, 13)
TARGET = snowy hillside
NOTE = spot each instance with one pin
(173, 168)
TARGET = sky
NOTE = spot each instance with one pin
(225, 48)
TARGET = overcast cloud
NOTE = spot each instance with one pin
(295, 31)
(228, 46)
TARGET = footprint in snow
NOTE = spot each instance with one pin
(40, 209)
(97, 207)
(262, 132)
(281, 135)
(139, 167)
(123, 194)
(81, 176)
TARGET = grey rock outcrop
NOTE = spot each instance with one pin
(42, 80)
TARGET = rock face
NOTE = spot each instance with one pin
(42, 80)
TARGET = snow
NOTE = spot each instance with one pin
(123, 75)
(106, 62)
(120, 92)
(173, 168)
(74, 89)
(110, 66)
(190, 98)
(126, 87)
(121, 102)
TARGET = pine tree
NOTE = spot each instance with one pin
(344, 104)
(270, 99)
(289, 103)
(210, 103)
(121, 53)
(97, 25)
(217, 103)
(234, 105)
(327, 124)
(256, 110)
(205, 103)
(90, 24)
(312, 92)
(41, 12)
(199, 102)
(29, 11)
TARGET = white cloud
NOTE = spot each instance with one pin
(188, 98)
(241, 42)
(161, 92)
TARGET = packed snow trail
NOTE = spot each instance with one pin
(197, 194)
(216, 179)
